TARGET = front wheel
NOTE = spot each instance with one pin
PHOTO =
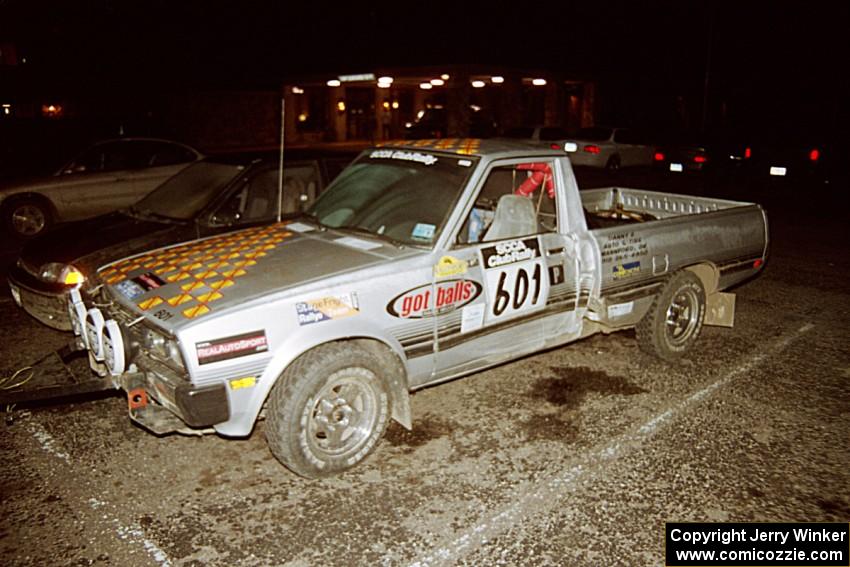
(328, 410)
(674, 321)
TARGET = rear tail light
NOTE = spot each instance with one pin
(555, 146)
(748, 153)
(658, 156)
(700, 159)
(814, 155)
(591, 149)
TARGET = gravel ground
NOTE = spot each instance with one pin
(575, 456)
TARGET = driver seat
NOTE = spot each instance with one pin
(515, 216)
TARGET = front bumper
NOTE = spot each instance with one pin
(179, 405)
(47, 303)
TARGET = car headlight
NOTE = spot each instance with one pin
(57, 272)
(163, 348)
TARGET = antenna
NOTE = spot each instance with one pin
(280, 176)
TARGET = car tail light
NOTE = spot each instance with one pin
(814, 155)
(591, 149)
(700, 159)
(748, 153)
(658, 156)
(555, 146)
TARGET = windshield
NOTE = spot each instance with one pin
(402, 195)
(183, 196)
(594, 134)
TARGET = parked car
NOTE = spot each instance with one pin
(212, 196)
(681, 152)
(611, 148)
(107, 176)
(555, 136)
(783, 155)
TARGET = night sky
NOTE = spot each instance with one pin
(769, 56)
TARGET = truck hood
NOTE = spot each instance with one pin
(193, 281)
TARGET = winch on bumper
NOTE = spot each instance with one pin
(159, 398)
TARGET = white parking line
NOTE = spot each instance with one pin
(547, 493)
(133, 534)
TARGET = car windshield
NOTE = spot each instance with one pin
(403, 196)
(186, 194)
(594, 134)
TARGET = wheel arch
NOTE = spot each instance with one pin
(391, 356)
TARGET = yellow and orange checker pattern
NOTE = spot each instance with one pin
(465, 146)
(206, 268)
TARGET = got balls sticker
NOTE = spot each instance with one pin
(430, 300)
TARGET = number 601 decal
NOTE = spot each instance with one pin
(515, 277)
(516, 297)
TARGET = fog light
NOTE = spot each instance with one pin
(114, 353)
(94, 333)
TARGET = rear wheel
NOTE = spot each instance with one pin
(26, 217)
(328, 410)
(674, 321)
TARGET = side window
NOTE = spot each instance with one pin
(553, 133)
(255, 200)
(163, 154)
(103, 157)
(300, 186)
(515, 200)
(624, 136)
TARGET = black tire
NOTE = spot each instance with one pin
(613, 163)
(26, 217)
(328, 410)
(674, 321)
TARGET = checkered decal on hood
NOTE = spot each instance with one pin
(206, 268)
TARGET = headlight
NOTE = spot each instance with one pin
(164, 349)
(57, 272)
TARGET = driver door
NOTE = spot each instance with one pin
(509, 248)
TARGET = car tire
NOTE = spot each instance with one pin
(613, 163)
(26, 217)
(328, 410)
(674, 321)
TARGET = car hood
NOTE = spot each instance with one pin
(194, 281)
(93, 242)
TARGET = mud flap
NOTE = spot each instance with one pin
(50, 378)
(720, 309)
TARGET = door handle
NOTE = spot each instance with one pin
(553, 251)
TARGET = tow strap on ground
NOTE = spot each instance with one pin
(48, 378)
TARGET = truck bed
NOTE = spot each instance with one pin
(616, 206)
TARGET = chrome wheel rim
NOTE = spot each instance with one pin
(682, 316)
(28, 220)
(344, 414)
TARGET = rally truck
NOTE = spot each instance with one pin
(422, 262)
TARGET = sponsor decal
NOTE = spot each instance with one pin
(130, 289)
(247, 382)
(326, 309)
(149, 281)
(556, 274)
(431, 300)
(625, 270)
(231, 347)
(510, 252)
(449, 266)
(426, 159)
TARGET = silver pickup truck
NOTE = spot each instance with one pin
(423, 261)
